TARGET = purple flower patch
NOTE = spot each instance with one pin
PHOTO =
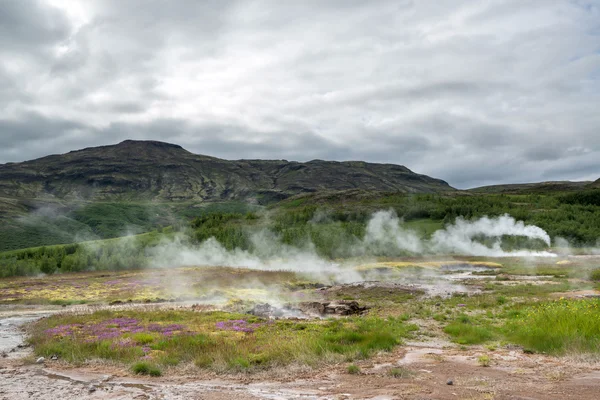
(237, 325)
(112, 329)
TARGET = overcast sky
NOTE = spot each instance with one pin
(472, 92)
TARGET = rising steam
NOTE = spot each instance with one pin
(459, 237)
(385, 235)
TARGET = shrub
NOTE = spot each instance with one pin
(400, 372)
(484, 360)
(353, 369)
(144, 368)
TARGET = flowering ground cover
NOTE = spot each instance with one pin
(79, 288)
(143, 285)
(217, 340)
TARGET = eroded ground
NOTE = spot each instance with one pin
(430, 294)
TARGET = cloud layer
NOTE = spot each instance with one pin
(471, 92)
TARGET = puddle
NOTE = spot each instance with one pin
(140, 386)
(420, 355)
(11, 335)
(74, 376)
(466, 267)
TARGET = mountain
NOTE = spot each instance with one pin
(595, 184)
(553, 186)
(151, 170)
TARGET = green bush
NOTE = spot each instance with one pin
(144, 368)
(353, 369)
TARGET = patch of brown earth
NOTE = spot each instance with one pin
(424, 374)
(581, 294)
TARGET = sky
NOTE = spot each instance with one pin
(472, 92)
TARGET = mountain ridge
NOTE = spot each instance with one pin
(154, 170)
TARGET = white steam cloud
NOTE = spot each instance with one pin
(384, 231)
(385, 235)
(269, 254)
(459, 237)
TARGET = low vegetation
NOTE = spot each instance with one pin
(484, 360)
(558, 327)
(466, 332)
(216, 340)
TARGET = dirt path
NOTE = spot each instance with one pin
(514, 376)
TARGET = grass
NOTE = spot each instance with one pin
(464, 331)
(400, 372)
(484, 360)
(144, 368)
(353, 369)
(558, 327)
(215, 340)
(531, 290)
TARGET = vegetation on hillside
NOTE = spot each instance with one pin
(331, 223)
(102, 220)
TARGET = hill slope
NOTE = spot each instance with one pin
(553, 186)
(149, 170)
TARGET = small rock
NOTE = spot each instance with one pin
(450, 382)
(40, 360)
(92, 389)
(54, 357)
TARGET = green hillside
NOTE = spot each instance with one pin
(330, 221)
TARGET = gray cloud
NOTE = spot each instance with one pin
(473, 93)
(31, 24)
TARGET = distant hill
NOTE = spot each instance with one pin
(595, 184)
(150, 170)
(554, 186)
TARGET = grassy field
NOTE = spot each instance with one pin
(216, 340)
